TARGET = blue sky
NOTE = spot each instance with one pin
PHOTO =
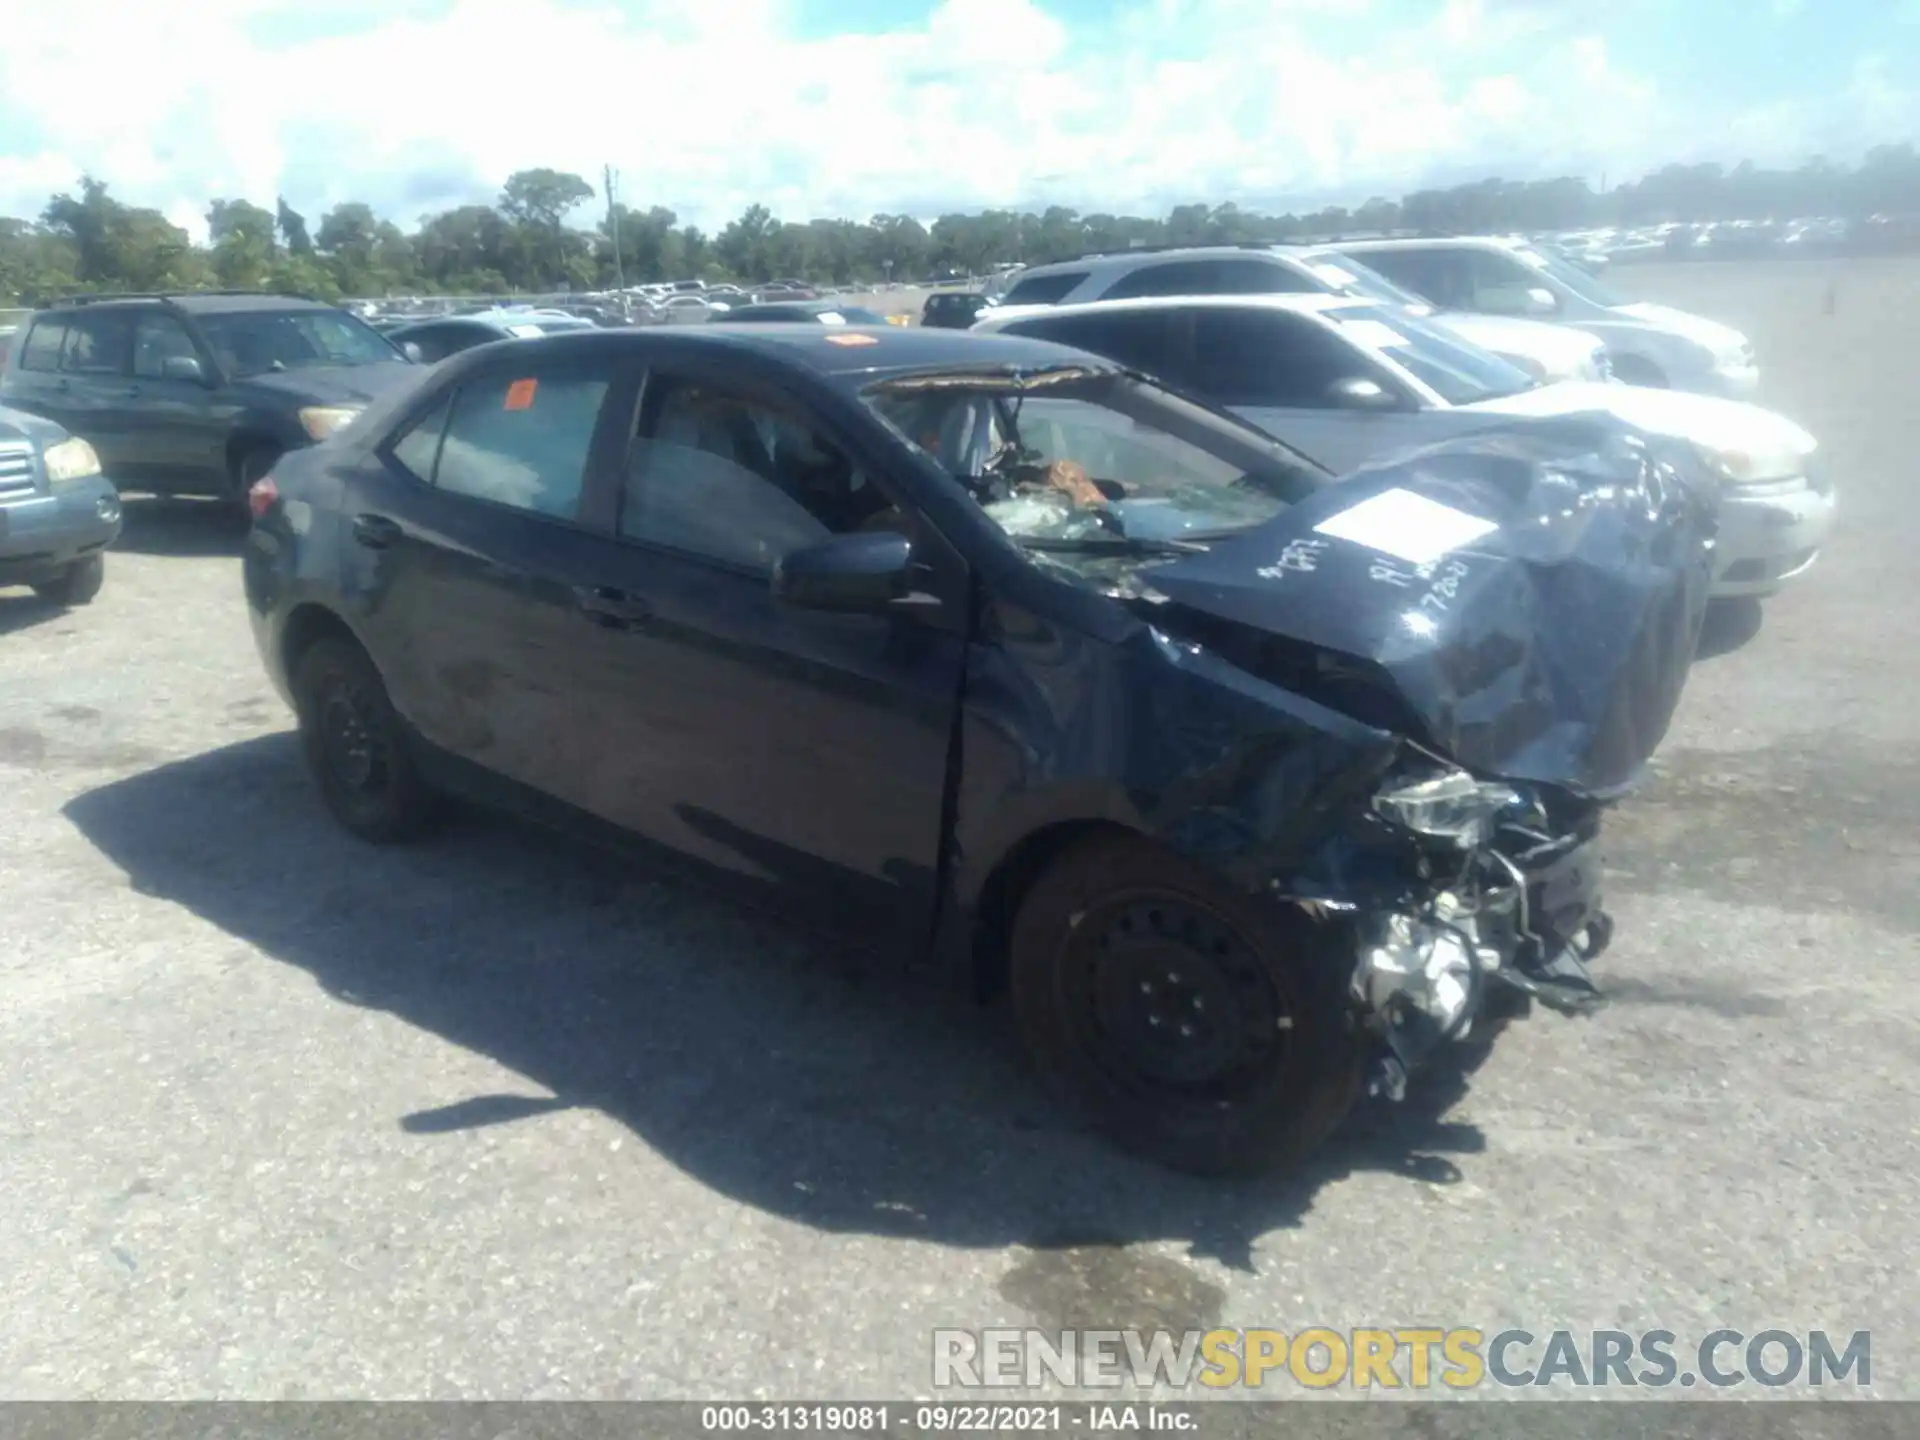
(856, 106)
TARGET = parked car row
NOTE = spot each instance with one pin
(1072, 654)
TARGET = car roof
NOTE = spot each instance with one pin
(1419, 242)
(1153, 255)
(852, 354)
(203, 302)
(1301, 304)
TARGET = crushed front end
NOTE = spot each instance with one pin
(1528, 668)
(1456, 897)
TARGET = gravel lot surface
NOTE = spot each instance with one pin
(285, 1116)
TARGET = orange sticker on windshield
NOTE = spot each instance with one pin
(520, 395)
(851, 340)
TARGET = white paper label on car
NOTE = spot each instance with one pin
(1408, 526)
(524, 332)
(831, 317)
(1375, 333)
(1336, 277)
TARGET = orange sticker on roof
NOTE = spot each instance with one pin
(851, 340)
(520, 395)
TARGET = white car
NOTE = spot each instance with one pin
(1345, 381)
(1500, 275)
(1546, 352)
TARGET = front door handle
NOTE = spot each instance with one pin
(605, 605)
(376, 532)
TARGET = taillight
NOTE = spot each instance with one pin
(262, 496)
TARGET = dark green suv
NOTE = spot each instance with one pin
(197, 393)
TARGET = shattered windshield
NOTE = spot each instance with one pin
(1090, 462)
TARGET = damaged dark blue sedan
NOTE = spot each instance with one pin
(1251, 787)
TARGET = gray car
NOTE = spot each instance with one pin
(58, 512)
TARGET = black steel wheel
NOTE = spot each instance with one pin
(1194, 1025)
(356, 747)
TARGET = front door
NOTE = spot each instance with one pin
(181, 433)
(804, 749)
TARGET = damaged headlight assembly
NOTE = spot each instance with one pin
(1450, 805)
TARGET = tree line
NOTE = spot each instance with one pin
(527, 241)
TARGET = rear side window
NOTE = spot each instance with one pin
(99, 342)
(418, 450)
(1043, 289)
(1253, 358)
(1439, 276)
(1210, 277)
(41, 351)
(520, 441)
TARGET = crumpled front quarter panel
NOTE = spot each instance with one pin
(1155, 735)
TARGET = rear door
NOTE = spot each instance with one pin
(33, 380)
(96, 385)
(470, 546)
(802, 749)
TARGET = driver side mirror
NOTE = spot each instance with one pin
(1358, 393)
(865, 571)
(183, 367)
(413, 352)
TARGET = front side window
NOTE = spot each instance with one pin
(253, 342)
(1263, 358)
(1439, 276)
(1135, 338)
(520, 441)
(1209, 277)
(98, 343)
(156, 340)
(1570, 276)
(722, 475)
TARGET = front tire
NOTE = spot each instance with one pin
(356, 746)
(1633, 370)
(1191, 1024)
(77, 584)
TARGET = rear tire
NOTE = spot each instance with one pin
(357, 747)
(1190, 1024)
(77, 584)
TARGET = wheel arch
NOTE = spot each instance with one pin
(308, 622)
(1007, 884)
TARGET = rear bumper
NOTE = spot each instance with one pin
(41, 535)
(1769, 536)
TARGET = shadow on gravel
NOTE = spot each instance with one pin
(1729, 626)
(773, 1064)
(21, 608)
(157, 525)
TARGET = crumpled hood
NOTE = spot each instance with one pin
(1562, 350)
(1720, 425)
(1526, 600)
(1720, 339)
(333, 384)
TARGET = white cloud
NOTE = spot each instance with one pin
(709, 105)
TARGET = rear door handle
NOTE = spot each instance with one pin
(376, 532)
(606, 605)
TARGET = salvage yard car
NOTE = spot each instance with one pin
(58, 513)
(1349, 380)
(1253, 788)
(1546, 352)
(197, 393)
(1500, 275)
